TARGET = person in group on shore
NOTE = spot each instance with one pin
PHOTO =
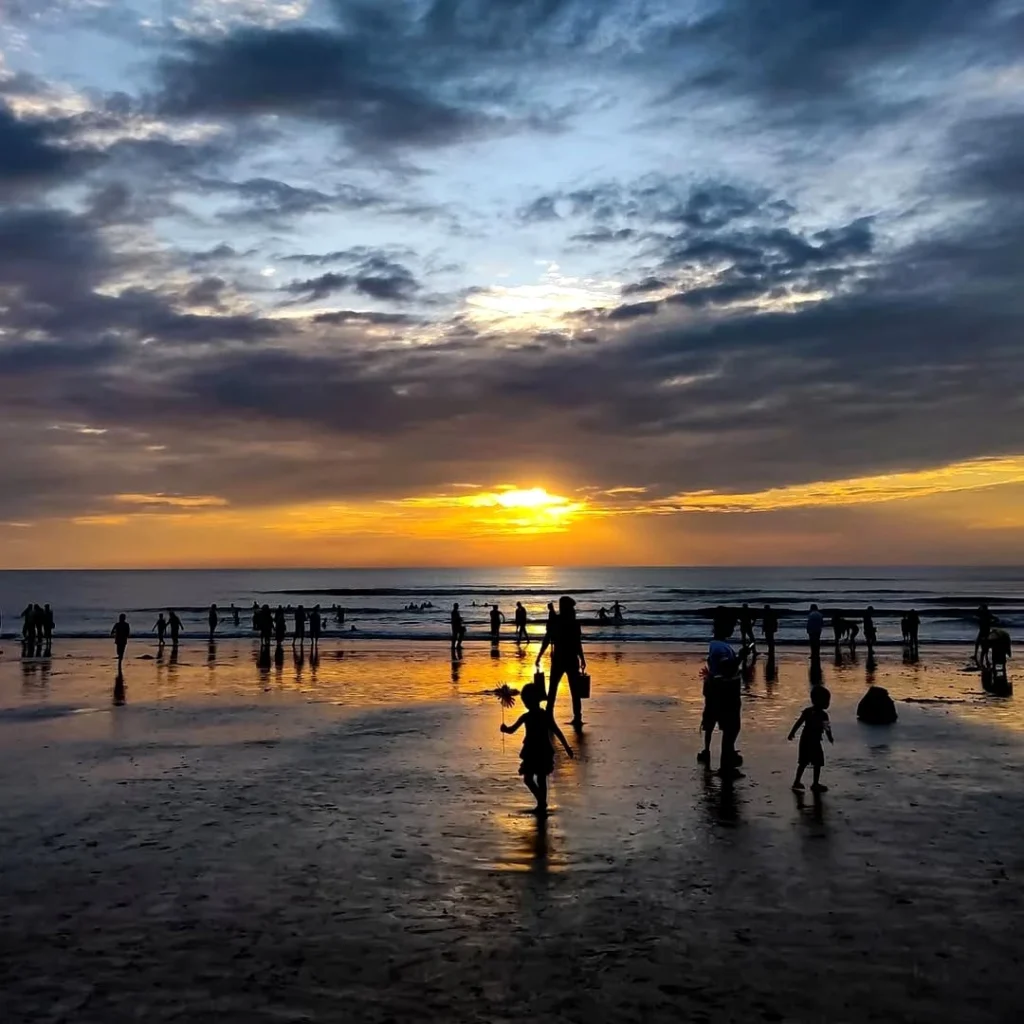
(299, 636)
(913, 630)
(265, 626)
(174, 625)
(747, 625)
(48, 626)
(870, 633)
(213, 618)
(234, 616)
(120, 633)
(497, 618)
(522, 636)
(617, 611)
(769, 627)
(552, 617)
(986, 620)
(160, 628)
(28, 626)
(314, 626)
(280, 626)
(255, 617)
(851, 631)
(722, 700)
(458, 630)
(1000, 649)
(565, 639)
(537, 758)
(602, 616)
(815, 624)
(814, 721)
(839, 628)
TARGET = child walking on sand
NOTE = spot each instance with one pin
(538, 755)
(815, 722)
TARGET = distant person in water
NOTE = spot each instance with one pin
(213, 618)
(815, 624)
(48, 625)
(280, 626)
(747, 625)
(314, 626)
(120, 633)
(602, 616)
(814, 722)
(617, 610)
(458, 630)
(913, 629)
(769, 627)
(28, 626)
(870, 633)
(497, 618)
(255, 617)
(299, 635)
(851, 631)
(537, 758)
(522, 637)
(567, 658)
(160, 628)
(722, 701)
(174, 625)
(839, 627)
(234, 616)
(986, 620)
(265, 625)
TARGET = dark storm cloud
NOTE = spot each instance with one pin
(819, 50)
(355, 83)
(29, 156)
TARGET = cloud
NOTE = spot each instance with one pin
(319, 75)
(374, 275)
(29, 158)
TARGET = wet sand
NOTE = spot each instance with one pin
(349, 841)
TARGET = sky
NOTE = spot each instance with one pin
(503, 282)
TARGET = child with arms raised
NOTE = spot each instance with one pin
(538, 755)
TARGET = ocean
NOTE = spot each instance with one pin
(665, 605)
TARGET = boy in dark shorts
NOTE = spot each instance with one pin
(814, 721)
(722, 700)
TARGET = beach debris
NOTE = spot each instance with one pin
(876, 707)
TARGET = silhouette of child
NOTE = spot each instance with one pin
(537, 758)
(814, 721)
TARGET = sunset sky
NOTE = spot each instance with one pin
(491, 282)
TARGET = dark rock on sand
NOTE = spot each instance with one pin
(876, 707)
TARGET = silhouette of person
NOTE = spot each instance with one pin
(521, 619)
(160, 628)
(234, 616)
(314, 626)
(280, 626)
(458, 630)
(617, 613)
(839, 627)
(120, 633)
(300, 626)
(746, 625)
(913, 628)
(497, 618)
(814, 721)
(602, 616)
(48, 625)
(722, 701)
(28, 627)
(986, 620)
(552, 617)
(213, 619)
(567, 658)
(769, 627)
(174, 624)
(265, 622)
(723, 622)
(537, 758)
(870, 633)
(815, 624)
(1000, 649)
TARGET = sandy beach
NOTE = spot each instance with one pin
(349, 841)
